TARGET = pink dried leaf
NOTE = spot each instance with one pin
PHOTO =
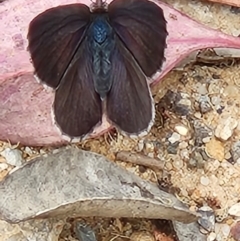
(26, 106)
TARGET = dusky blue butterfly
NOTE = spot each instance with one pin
(97, 60)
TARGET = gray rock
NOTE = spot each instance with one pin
(84, 232)
(235, 151)
(204, 104)
(207, 220)
(188, 232)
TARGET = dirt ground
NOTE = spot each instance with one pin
(195, 135)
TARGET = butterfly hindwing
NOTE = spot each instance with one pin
(129, 102)
(141, 26)
(54, 36)
(77, 107)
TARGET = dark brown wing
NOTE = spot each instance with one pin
(141, 26)
(77, 107)
(129, 102)
(54, 36)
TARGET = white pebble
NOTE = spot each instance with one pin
(184, 154)
(234, 210)
(225, 128)
(174, 138)
(185, 102)
(238, 161)
(181, 129)
(178, 163)
(140, 145)
(28, 150)
(183, 145)
(216, 100)
(198, 115)
(222, 231)
(13, 157)
(151, 154)
(201, 89)
(225, 229)
(204, 181)
(3, 166)
(211, 236)
(206, 139)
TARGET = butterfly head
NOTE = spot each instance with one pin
(98, 5)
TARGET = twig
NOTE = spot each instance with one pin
(140, 159)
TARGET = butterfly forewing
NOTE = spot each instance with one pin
(54, 36)
(141, 26)
(129, 102)
(77, 107)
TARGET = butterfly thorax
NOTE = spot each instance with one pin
(101, 44)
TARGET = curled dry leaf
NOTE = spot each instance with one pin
(26, 106)
(72, 182)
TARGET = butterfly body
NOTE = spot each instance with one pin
(107, 53)
(101, 42)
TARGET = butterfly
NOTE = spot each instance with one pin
(98, 60)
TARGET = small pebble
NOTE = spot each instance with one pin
(181, 129)
(211, 237)
(204, 104)
(201, 132)
(231, 90)
(177, 163)
(204, 181)
(201, 89)
(198, 115)
(222, 231)
(225, 128)
(185, 102)
(174, 138)
(206, 139)
(207, 219)
(225, 229)
(3, 166)
(183, 145)
(211, 166)
(214, 87)
(234, 210)
(184, 154)
(196, 160)
(140, 145)
(235, 151)
(150, 154)
(148, 147)
(173, 148)
(221, 214)
(13, 157)
(216, 101)
(84, 232)
(168, 166)
(28, 150)
(215, 149)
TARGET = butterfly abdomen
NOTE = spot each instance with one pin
(101, 43)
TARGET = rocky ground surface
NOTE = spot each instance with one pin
(196, 135)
